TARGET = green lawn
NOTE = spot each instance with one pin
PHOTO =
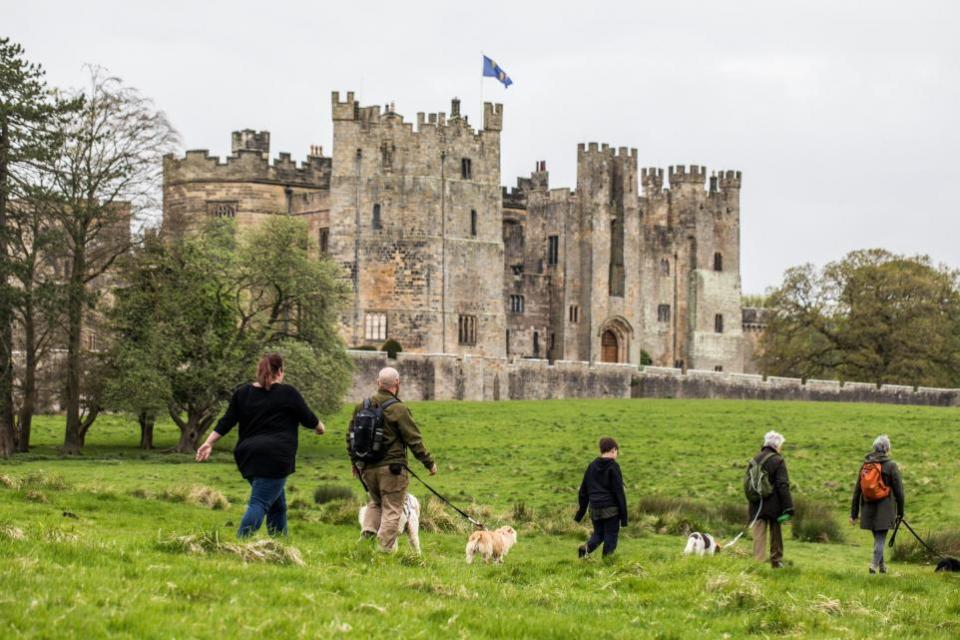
(95, 560)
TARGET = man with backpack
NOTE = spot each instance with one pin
(380, 432)
(767, 488)
(878, 498)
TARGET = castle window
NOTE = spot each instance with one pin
(553, 250)
(718, 368)
(473, 222)
(324, 241)
(516, 304)
(222, 208)
(536, 344)
(517, 269)
(574, 313)
(386, 155)
(375, 327)
(467, 330)
(377, 223)
(718, 323)
(663, 313)
(664, 267)
(718, 261)
(466, 171)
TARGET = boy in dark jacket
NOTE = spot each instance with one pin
(602, 491)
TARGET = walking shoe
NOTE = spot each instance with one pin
(873, 569)
(582, 551)
(883, 568)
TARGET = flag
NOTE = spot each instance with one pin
(492, 69)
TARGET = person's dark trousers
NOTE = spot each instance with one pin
(760, 528)
(267, 500)
(605, 531)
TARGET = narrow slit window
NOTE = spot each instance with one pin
(377, 222)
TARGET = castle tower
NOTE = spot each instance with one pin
(416, 224)
(607, 196)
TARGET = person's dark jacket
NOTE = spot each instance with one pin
(880, 515)
(399, 434)
(780, 501)
(267, 446)
(602, 487)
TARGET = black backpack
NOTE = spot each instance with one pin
(366, 433)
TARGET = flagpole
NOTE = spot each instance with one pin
(482, 68)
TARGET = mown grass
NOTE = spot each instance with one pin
(138, 544)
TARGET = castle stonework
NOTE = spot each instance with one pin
(443, 260)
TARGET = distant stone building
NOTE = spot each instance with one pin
(444, 261)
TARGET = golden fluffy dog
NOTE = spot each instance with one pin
(492, 545)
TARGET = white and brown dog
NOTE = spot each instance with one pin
(492, 545)
(701, 544)
(409, 520)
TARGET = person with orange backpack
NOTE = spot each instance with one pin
(878, 498)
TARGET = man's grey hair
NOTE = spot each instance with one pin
(388, 377)
(773, 439)
(882, 444)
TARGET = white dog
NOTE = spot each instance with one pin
(409, 520)
(701, 544)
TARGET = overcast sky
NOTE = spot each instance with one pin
(842, 115)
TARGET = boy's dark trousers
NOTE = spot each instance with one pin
(605, 531)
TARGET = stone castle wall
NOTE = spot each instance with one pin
(449, 377)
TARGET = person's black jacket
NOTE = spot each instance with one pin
(602, 487)
(267, 447)
(779, 502)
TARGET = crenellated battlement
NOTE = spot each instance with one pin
(248, 165)
(604, 150)
(729, 179)
(694, 174)
(651, 178)
(350, 110)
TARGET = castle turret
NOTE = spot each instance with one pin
(250, 140)
(492, 117)
(652, 180)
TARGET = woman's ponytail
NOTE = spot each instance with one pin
(269, 368)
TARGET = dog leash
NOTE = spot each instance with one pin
(919, 539)
(476, 523)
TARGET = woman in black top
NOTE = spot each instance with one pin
(269, 413)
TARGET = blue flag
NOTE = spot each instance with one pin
(492, 69)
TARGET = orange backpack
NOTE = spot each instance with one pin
(871, 482)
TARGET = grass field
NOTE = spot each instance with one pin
(89, 547)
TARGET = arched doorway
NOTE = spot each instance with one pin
(609, 347)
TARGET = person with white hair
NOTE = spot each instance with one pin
(878, 498)
(768, 492)
(385, 474)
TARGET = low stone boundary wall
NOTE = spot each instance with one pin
(434, 376)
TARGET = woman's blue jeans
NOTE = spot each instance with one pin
(267, 500)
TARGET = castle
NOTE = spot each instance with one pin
(444, 260)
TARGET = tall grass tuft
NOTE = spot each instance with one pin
(265, 550)
(10, 532)
(330, 492)
(815, 522)
(199, 495)
(9, 482)
(681, 516)
(945, 541)
(437, 516)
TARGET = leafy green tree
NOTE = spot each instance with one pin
(30, 119)
(872, 316)
(204, 308)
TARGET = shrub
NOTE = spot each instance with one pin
(946, 541)
(392, 347)
(329, 492)
(815, 522)
(645, 358)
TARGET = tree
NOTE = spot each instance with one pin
(30, 117)
(203, 309)
(872, 316)
(108, 176)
